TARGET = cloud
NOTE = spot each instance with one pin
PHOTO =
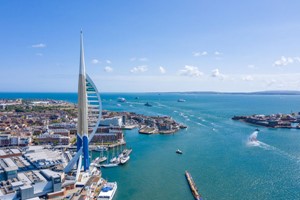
(247, 78)
(95, 61)
(40, 45)
(197, 54)
(217, 53)
(39, 54)
(143, 59)
(108, 69)
(162, 70)
(297, 59)
(190, 71)
(139, 69)
(217, 74)
(283, 61)
(108, 61)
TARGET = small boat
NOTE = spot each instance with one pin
(109, 165)
(113, 160)
(178, 151)
(121, 99)
(101, 148)
(148, 104)
(108, 191)
(124, 159)
(192, 185)
(102, 159)
(127, 152)
(181, 100)
(257, 129)
(95, 165)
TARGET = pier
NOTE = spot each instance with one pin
(193, 186)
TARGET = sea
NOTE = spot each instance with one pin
(216, 149)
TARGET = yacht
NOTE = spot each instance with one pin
(124, 159)
(109, 165)
(108, 191)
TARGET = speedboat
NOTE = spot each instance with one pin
(148, 104)
(178, 151)
(108, 191)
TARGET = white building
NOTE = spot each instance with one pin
(114, 121)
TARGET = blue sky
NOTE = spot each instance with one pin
(151, 45)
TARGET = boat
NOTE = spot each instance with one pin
(124, 159)
(101, 148)
(108, 165)
(115, 159)
(178, 151)
(181, 100)
(192, 185)
(148, 104)
(108, 191)
(121, 99)
(95, 165)
(102, 159)
(127, 152)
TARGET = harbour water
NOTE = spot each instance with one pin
(216, 149)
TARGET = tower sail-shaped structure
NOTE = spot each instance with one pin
(89, 114)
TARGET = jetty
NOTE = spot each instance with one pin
(193, 186)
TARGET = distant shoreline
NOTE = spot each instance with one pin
(271, 92)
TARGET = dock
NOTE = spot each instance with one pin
(193, 186)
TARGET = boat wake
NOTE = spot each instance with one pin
(252, 141)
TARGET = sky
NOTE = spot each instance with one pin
(151, 45)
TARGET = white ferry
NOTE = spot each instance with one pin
(108, 191)
(121, 99)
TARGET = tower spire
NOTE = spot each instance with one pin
(82, 129)
(82, 62)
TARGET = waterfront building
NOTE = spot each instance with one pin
(53, 139)
(116, 121)
(30, 184)
(9, 140)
